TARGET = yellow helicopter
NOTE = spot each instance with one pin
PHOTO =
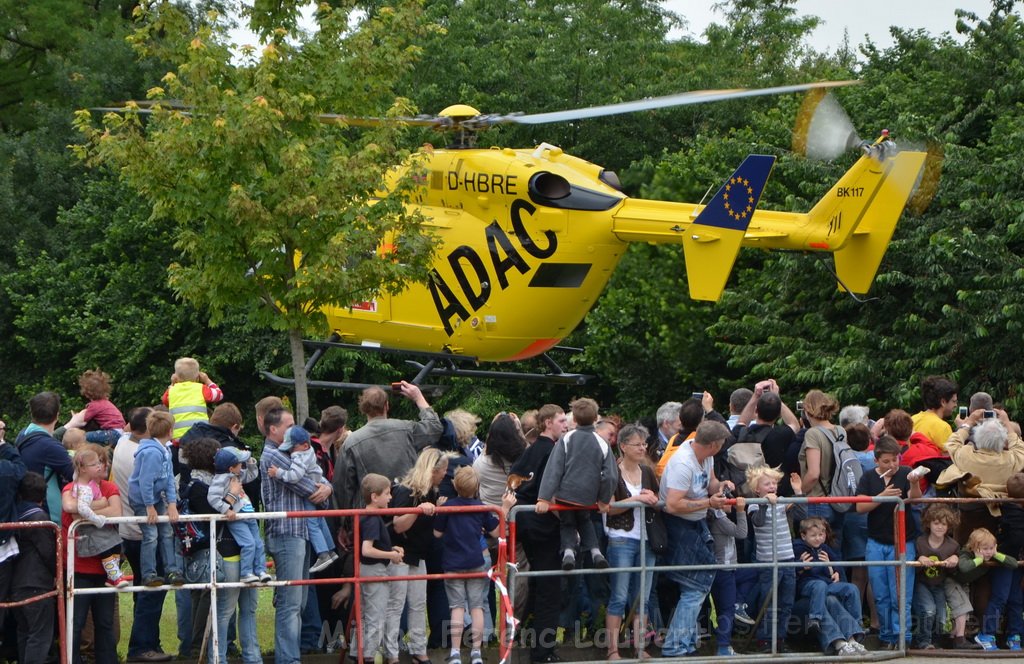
(530, 237)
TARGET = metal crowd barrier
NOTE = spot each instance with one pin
(58, 591)
(900, 562)
(506, 559)
(213, 584)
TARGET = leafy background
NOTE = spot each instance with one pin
(84, 264)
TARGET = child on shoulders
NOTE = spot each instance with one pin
(100, 414)
(188, 395)
(581, 472)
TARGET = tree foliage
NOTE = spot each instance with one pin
(208, 234)
(273, 212)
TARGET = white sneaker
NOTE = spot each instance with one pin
(848, 649)
(250, 578)
(858, 645)
(265, 577)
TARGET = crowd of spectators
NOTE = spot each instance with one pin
(704, 491)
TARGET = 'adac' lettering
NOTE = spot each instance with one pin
(531, 248)
(467, 264)
(457, 259)
(450, 306)
(498, 242)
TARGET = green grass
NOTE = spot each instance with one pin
(169, 623)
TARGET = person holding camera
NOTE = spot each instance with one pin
(384, 446)
(690, 488)
(997, 452)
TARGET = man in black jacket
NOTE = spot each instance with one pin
(224, 426)
(539, 534)
(34, 573)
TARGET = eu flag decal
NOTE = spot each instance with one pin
(734, 204)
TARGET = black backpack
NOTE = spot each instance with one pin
(190, 535)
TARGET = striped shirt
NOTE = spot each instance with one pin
(765, 517)
(281, 497)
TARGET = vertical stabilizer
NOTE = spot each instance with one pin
(712, 241)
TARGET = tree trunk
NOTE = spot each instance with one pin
(299, 372)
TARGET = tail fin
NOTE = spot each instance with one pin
(857, 217)
(713, 239)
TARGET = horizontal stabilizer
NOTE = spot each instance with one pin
(713, 239)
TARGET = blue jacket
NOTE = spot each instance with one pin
(12, 469)
(152, 480)
(42, 453)
(819, 572)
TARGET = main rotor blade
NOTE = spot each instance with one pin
(682, 99)
(362, 121)
(148, 108)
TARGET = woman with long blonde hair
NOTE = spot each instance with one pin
(415, 533)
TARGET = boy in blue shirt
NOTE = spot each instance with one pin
(462, 547)
(151, 493)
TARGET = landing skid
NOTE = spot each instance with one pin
(437, 365)
(444, 365)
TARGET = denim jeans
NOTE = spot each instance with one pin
(816, 590)
(156, 536)
(245, 600)
(625, 552)
(682, 631)
(840, 621)
(291, 560)
(786, 595)
(312, 626)
(723, 592)
(247, 535)
(929, 611)
(1006, 593)
(145, 634)
(183, 616)
(316, 528)
(883, 585)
